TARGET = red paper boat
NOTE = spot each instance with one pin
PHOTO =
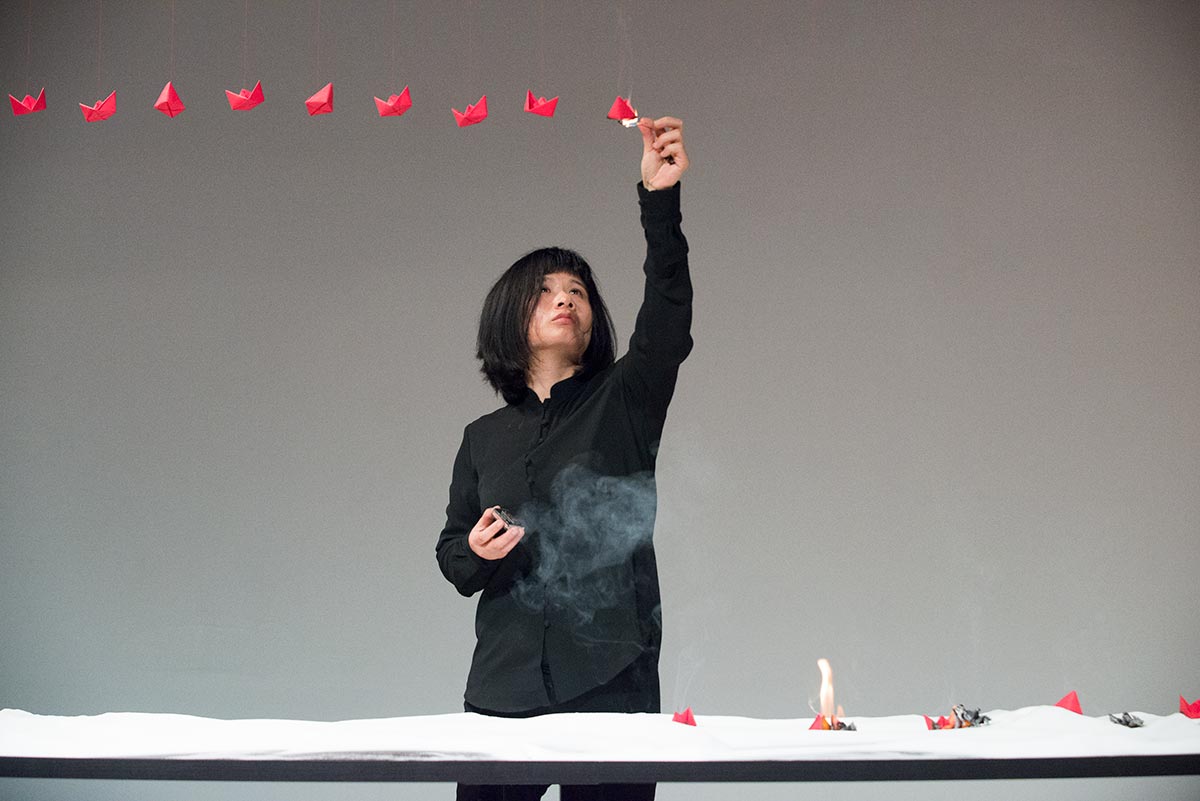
(1070, 701)
(321, 102)
(473, 115)
(102, 110)
(395, 105)
(1192, 710)
(685, 717)
(29, 105)
(245, 99)
(621, 110)
(943, 722)
(820, 723)
(168, 101)
(540, 105)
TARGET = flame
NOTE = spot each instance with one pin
(827, 708)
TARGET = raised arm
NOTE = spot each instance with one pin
(662, 335)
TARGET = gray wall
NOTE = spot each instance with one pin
(942, 422)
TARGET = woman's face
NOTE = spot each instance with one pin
(561, 323)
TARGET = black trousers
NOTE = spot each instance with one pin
(635, 689)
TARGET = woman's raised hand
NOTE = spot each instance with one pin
(663, 158)
(490, 540)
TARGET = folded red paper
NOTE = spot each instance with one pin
(1070, 701)
(1192, 710)
(321, 102)
(621, 110)
(685, 716)
(168, 101)
(474, 114)
(395, 105)
(540, 105)
(29, 105)
(819, 724)
(102, 110)
(245, 99)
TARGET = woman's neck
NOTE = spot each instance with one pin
(542, 376)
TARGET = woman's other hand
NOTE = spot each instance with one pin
(663, 158)
(489, 539)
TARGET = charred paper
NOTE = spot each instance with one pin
(1126, 719)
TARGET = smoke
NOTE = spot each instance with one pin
(583, 540)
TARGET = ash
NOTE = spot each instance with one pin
(964, 717)
(1126, 719)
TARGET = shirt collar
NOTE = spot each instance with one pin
(561, 392)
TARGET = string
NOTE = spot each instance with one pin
(172, 40)
(625, 45)
(473, 46)
(541, 44)
(28, 42)
(318, 78)
(392, 36)
(99, 47)
(245, 29)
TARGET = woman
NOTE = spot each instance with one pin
(568, 617)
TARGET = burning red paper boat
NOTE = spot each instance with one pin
(1192, 710)
(474, 114)
(540, 105)
(822, 723)
(29, 105)
(1070, 701)
(102, 110)
(245, 99)
(395, 105)
(321, 102)
(168, 101)
(960, 718)
(828, 718)
(623, 113)
(685, 717)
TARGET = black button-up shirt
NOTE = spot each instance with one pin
(577, 600)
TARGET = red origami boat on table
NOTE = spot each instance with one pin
(1070, 701)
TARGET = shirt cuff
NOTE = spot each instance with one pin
(659, 204)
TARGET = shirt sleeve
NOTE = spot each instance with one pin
(662, 335)
(462, 567)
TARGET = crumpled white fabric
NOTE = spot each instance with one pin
(1041, 731)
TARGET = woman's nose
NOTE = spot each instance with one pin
(564, 299)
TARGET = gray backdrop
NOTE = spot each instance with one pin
(941, 425)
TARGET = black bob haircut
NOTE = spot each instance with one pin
(503, 342)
